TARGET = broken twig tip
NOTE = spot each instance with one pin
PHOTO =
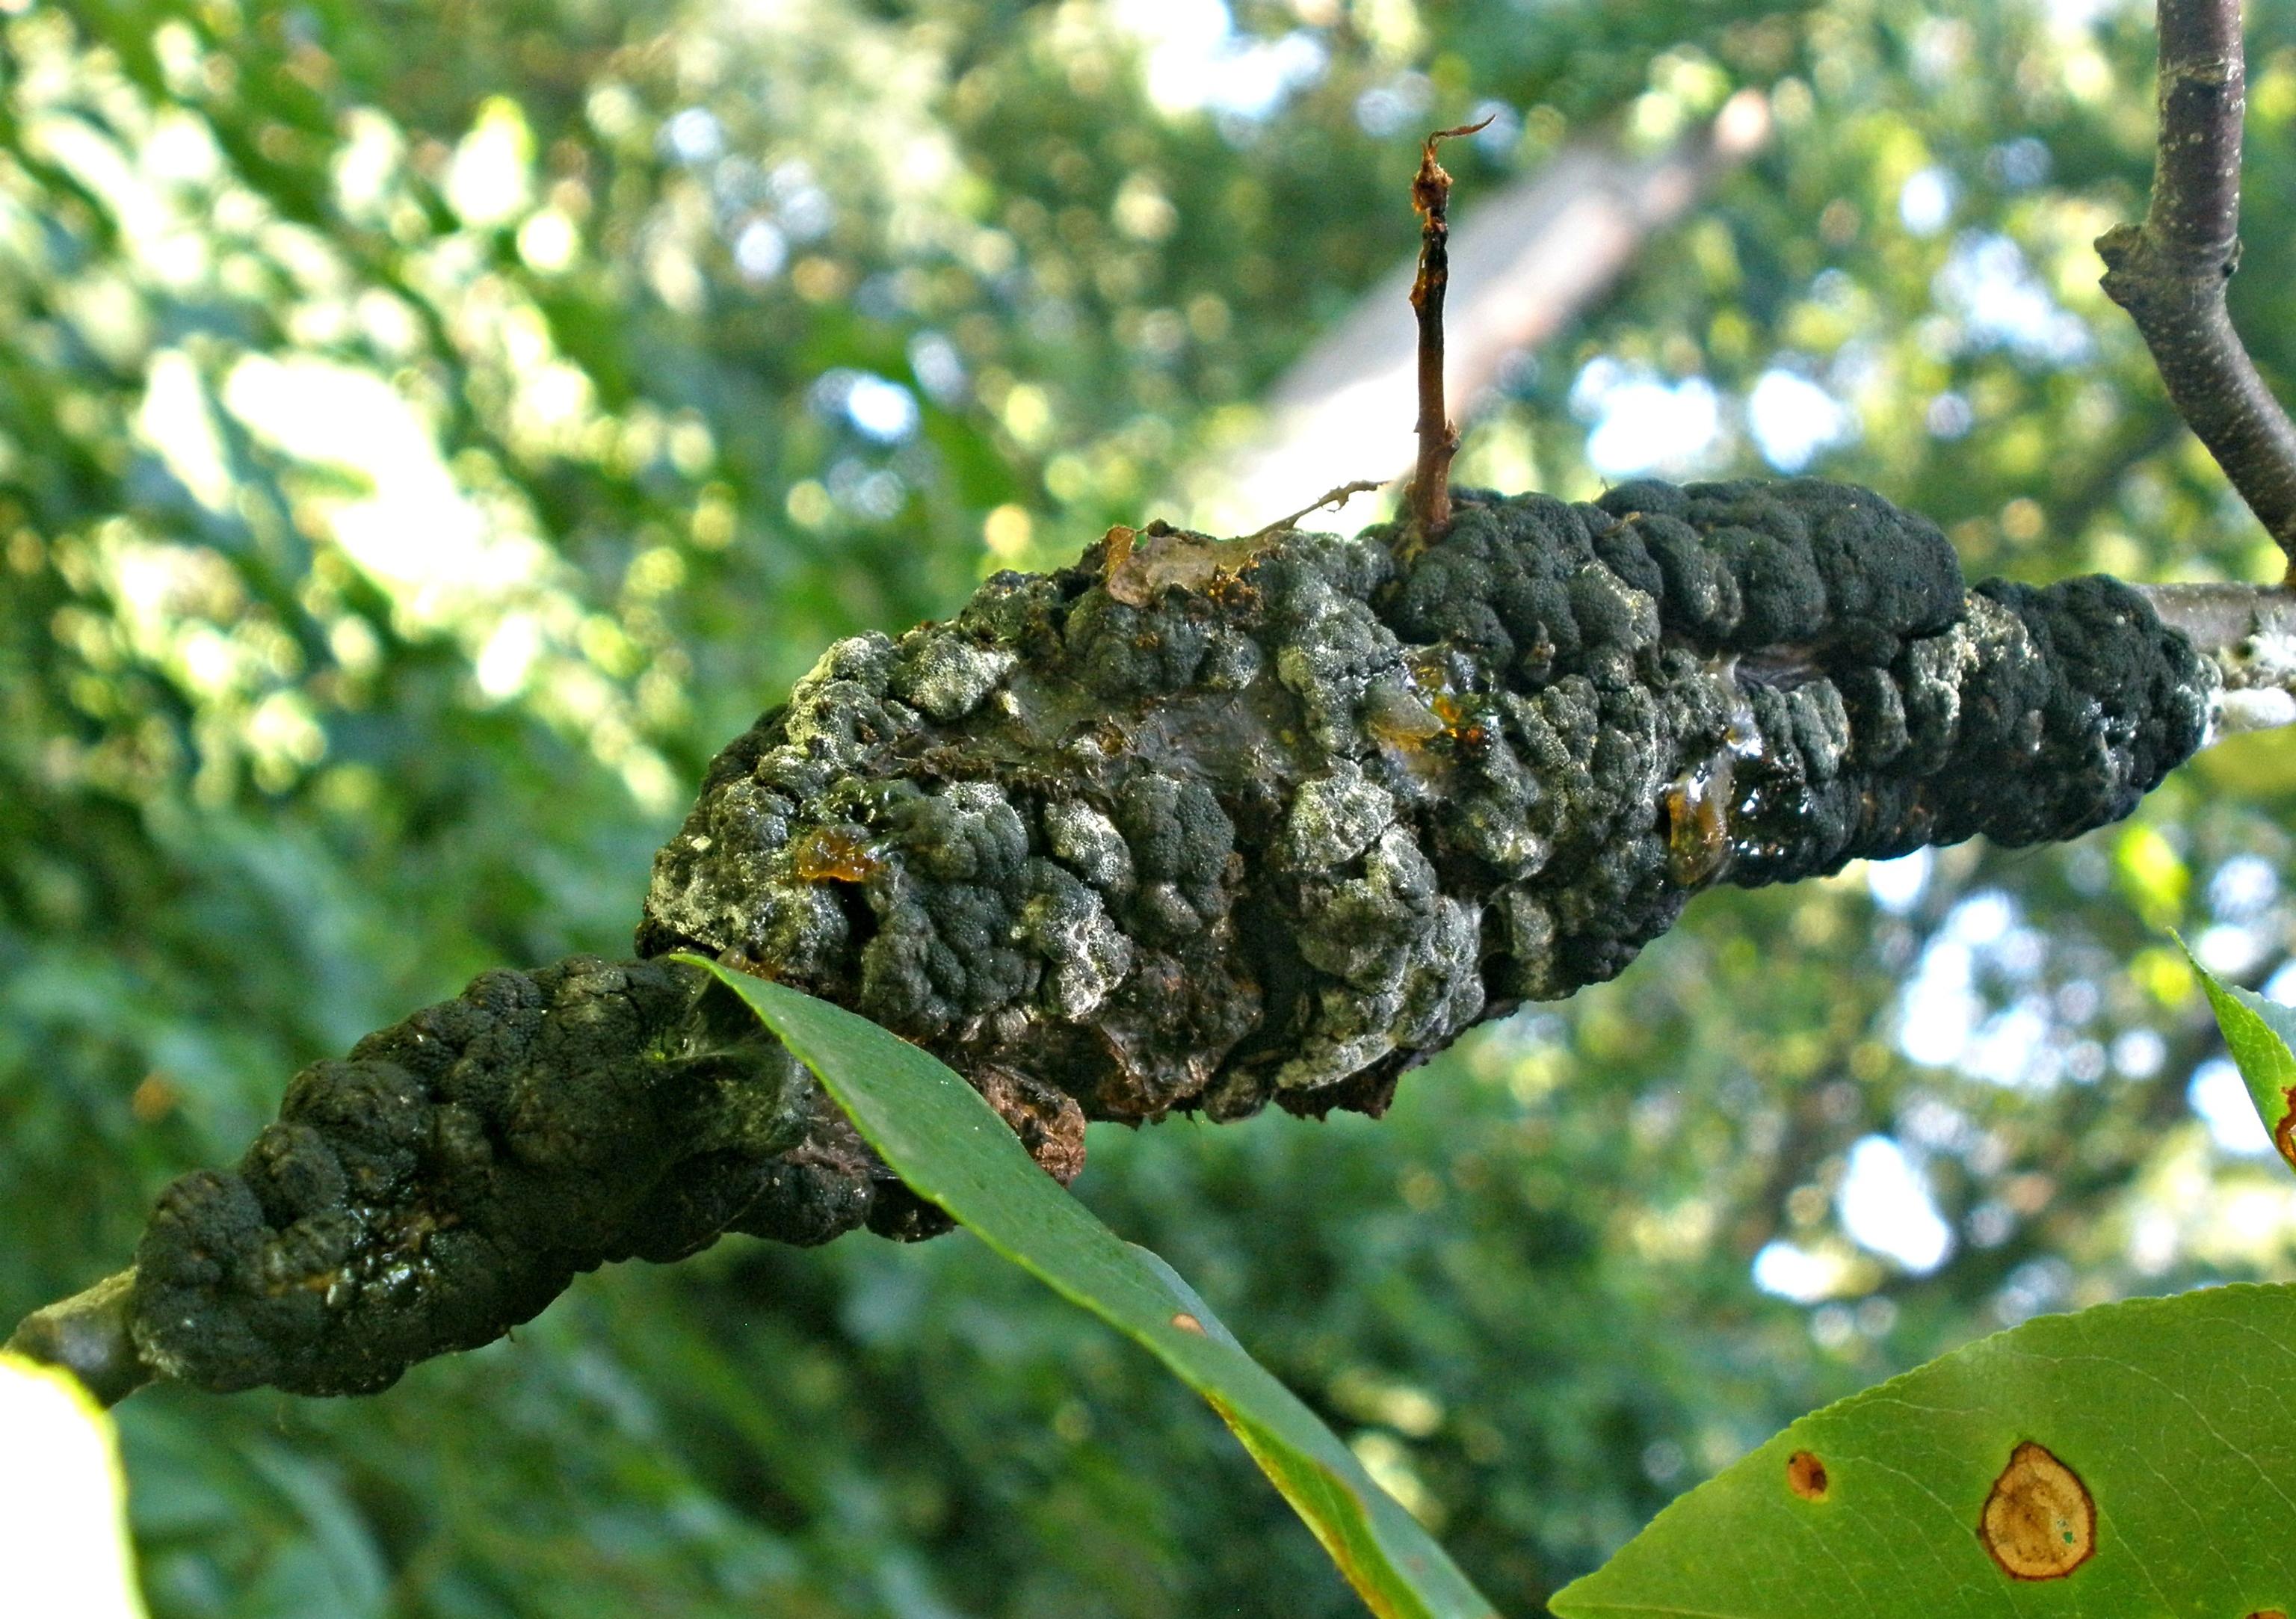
(1438, 441)
(1338, 496)
(1453, 133)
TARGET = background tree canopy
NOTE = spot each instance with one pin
(428, 431)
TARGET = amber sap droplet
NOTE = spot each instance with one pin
(1698, 823)
(1806, 1476)
(1412, 713)
(2038, 1523)
(1400, 718)
(833, 854)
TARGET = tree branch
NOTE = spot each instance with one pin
(2170, 272)
(1526, 262)
(1271, 833)
(1438, 441)
(90, 1335)
(2249, 633)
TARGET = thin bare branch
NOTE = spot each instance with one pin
(2170, 272)
(1438, 441)
(1525, 263)
(87, 1335)
(1338, 496)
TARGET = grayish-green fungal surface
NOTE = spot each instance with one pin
(1192, 825)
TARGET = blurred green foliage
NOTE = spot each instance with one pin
(428, 428)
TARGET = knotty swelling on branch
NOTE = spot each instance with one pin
(1193, 826)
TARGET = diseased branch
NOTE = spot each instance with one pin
(1438, 441)
(2170, 272)
(1267, 823)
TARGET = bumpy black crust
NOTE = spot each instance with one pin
(449, 1180)
(1192, 825)
(1198, 826)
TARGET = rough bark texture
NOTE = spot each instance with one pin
(1193, 826)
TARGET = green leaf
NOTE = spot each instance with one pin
(2259, 1033)
(63, 1532)
(949, 1145)
(2136, 1458)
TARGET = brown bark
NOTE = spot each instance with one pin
(2170, 272)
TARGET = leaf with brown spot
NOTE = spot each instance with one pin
(2131, 1459)
(2038, 1523)
(1806, 1476)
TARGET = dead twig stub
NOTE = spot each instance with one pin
(2170, 272)
(1431, 482)
(1331, 497)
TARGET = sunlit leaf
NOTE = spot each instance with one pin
(2259, 1033)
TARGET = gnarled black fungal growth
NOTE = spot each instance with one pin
(1191, 826)
(1205, 826)
(449, 1178)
